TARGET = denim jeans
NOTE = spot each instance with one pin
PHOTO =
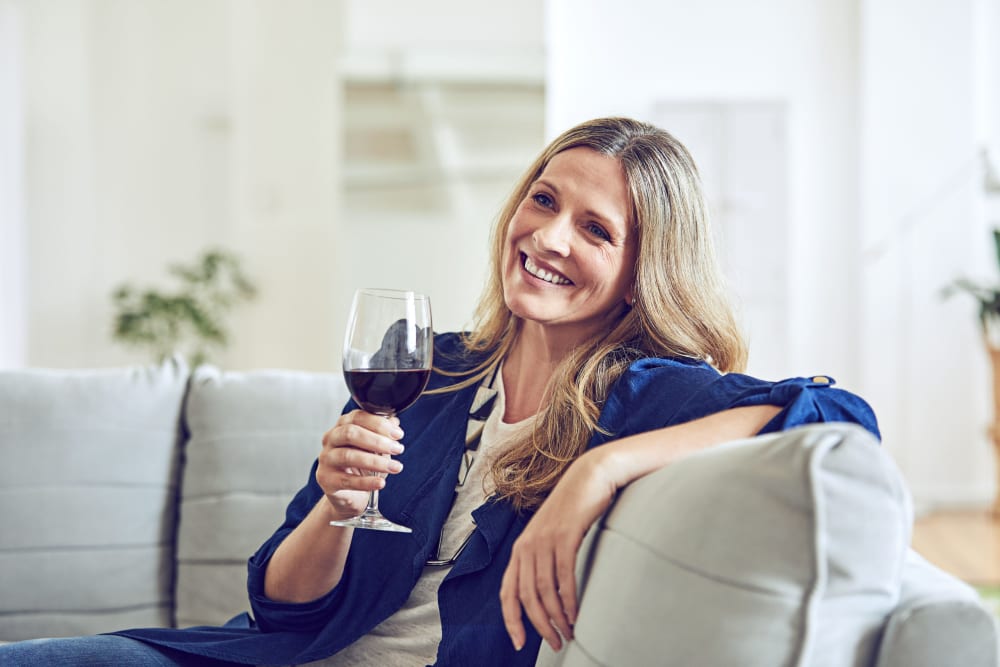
(97, 651)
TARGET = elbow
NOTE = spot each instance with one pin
(275, 610)
(272, 616)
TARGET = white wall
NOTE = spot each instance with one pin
(285, 110)
(923, 225)
(158, 128)
(414, 48)
(881, 100)
(626, 57)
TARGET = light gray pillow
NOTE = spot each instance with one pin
(253, 438)
(87, 496)
(781, 550)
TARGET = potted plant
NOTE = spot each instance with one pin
(189, 319)
(988, 297)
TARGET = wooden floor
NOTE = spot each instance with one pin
(967, 544)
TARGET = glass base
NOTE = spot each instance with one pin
(372, 521)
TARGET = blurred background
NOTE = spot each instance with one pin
(846, 147)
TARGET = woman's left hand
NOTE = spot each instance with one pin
(540, 577)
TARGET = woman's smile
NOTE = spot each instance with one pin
(548, 276)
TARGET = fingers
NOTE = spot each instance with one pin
(529, 594)
(542, 582)
(550, 595)
(510, 605)
(353, 463)
(356, 453)
(566, 576)
(363, 430)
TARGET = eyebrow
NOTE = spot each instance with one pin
(623, 225)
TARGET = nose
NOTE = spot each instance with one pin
(553, 236)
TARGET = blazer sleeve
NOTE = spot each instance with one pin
(655, 393)
(271, 615)
(803, 400)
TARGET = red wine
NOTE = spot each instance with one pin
(385, 392)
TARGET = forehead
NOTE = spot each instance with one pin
(594, 180)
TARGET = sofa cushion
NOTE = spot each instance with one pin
(252, 439)
(939, 621)
(87, 498)
(785, 549)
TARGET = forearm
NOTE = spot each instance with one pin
(310, 561)
(636, 456)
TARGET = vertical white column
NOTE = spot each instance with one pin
(13, 305)
(285, 106)
(924, 367)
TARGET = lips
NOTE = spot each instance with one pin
(543, 274)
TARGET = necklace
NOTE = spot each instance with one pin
(482, 407)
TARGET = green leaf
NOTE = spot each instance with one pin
(192, 316)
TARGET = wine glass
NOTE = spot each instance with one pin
(388, 351)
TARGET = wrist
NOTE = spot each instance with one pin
(607, 463)
(333, 509)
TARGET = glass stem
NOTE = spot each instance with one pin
(372, 509)
(372, 501)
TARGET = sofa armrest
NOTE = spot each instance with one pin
(785, 549)
(939, 621)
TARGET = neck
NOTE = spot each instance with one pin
(527, 368)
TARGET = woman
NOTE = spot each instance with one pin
(595, 360)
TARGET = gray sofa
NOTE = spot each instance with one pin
(132, 497)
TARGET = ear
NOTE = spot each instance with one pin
(629, 298)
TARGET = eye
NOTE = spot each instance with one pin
(598, 231)
(542, 199)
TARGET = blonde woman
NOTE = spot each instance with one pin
(604, 348)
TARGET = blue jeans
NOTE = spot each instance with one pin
(97, 651)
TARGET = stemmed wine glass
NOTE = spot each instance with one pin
(388, 352)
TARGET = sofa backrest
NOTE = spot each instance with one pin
(133, 497)
(88, 487)
(252, 440)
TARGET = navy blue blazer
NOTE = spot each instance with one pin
(382, 568)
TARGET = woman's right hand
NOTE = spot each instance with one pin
(309, 562)
(359, 444)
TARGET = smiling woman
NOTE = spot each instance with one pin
(604, 349)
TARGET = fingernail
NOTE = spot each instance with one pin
(396, 448)
(396, 432)
(395, 466)
(518, 644)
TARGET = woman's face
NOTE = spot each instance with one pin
(570, 248)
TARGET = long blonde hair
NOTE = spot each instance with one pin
(680, 308)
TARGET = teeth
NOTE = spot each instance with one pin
(548, 277)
